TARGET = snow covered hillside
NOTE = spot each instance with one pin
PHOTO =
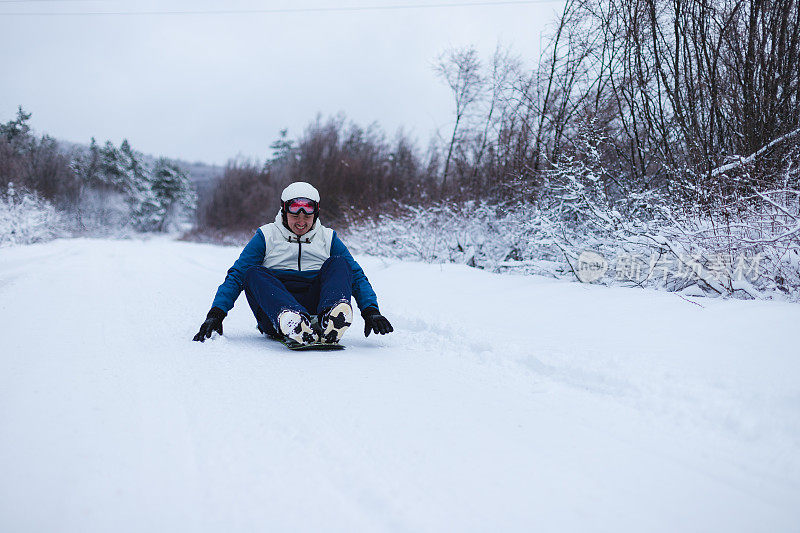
(501, 403)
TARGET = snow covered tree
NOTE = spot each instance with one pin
(121, 184)
(146, 210)
(172, 190)
(461, 70)
(36, 165)
(283, 149)
(88, 166)
(16, 130)
(112, 173)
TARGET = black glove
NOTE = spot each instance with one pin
(375, 321)
(213, 323)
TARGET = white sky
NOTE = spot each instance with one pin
(210, 87)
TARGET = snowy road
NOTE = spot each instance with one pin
(500, 403)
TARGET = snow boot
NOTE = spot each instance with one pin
(335, 322)
(296, 327)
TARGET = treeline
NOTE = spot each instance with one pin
(668, 129)
(96, 190)
(357, 171)
(697, 100)
(154, 193)
(35, 165)
(634, 102)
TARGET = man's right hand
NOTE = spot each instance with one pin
(213, 323)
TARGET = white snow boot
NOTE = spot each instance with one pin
(296, 327)
(335, 322)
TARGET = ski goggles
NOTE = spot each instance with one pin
(306, 205)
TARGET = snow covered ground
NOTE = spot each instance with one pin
(501, 403)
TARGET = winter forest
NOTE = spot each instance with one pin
(663, 137)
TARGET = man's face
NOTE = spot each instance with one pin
(300, 223)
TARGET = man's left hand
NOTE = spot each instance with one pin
(375, 322)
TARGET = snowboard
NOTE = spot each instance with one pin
(314, 346)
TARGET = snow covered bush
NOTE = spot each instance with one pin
(26, 218)
(476, 234)
(752, 248)
(101, 213)
(755, 254)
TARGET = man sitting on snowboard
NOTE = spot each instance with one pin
(298, 277)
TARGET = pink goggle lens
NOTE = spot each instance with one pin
(305, 205)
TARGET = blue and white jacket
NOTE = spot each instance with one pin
(279, 250)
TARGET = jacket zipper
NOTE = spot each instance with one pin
(299, 253)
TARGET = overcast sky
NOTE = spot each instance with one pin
(208, 87)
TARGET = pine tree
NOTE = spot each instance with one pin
(172, 189)
(87, 166)
(146, 210)
(113, 173)
(283, 148)
(17, 130)
(155, 193)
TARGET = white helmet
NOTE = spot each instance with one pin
(300, 189)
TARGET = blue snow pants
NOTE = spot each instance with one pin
(270, 292)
